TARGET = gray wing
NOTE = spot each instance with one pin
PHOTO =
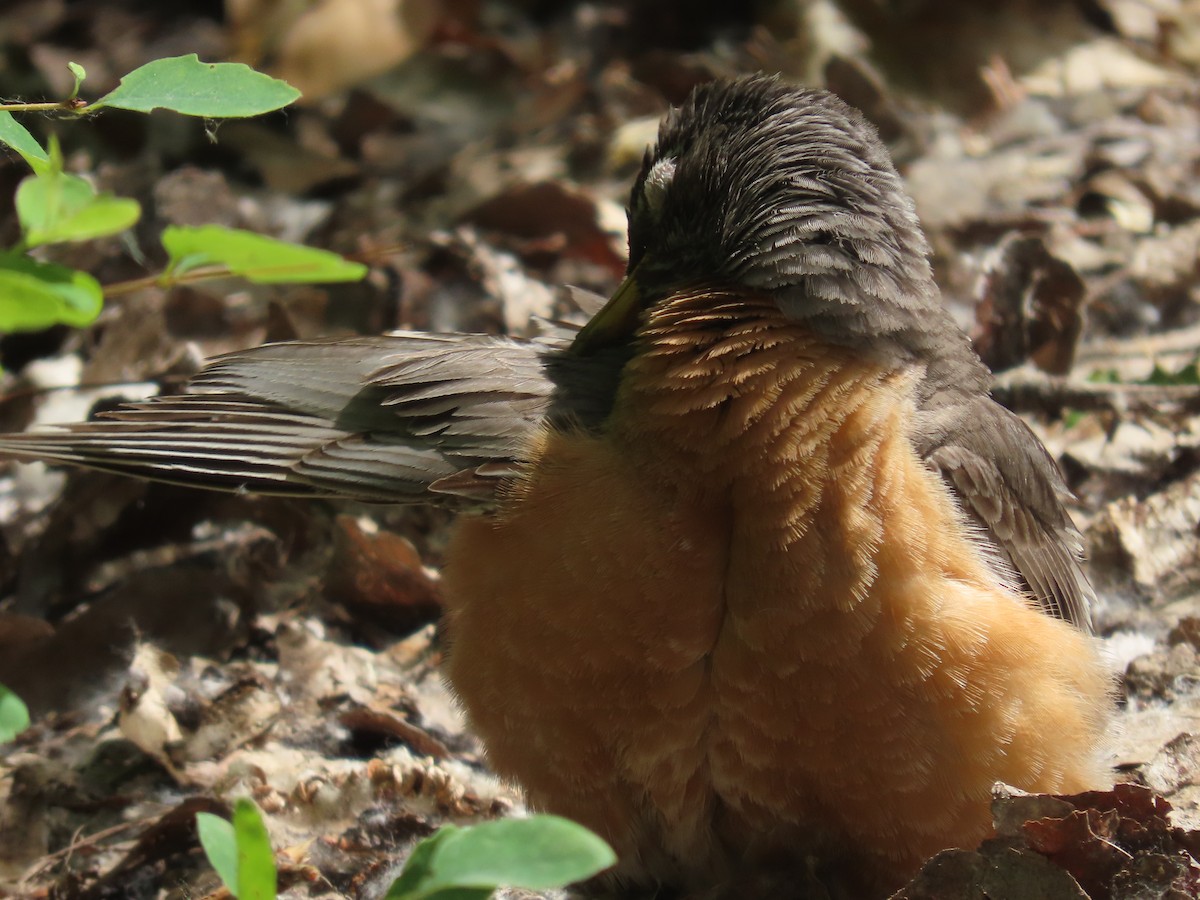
(1009, 484)
(396, 418)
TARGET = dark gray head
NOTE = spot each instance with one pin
(758, 184)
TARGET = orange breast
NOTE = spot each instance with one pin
(747, 623)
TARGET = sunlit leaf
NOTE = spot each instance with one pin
(536, 854)
(15, 135)
(219, 841)
(14, 715)
(186, 85)
(240, 851)
(79, 73)
(35, 295)
(57, 207)
(254, 257)
(256, 875)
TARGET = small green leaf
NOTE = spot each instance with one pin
(255, 257)
(219, 841)
(17, 136)
(56, 207)
(79, 73)
(1104, 376)
(14, 715)
(35, 295)
(188, 86)
(255, 859)
(536, 854)
(1188, 375)
(419, 868)
(240, 851)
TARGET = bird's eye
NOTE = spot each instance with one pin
(657, 183)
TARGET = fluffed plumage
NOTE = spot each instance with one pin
(763, 572)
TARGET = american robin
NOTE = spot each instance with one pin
(757, 574)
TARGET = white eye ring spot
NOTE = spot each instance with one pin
(658, 181)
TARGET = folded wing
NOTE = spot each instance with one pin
(1008, 484)
(386, 418)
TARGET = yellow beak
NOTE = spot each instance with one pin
(616, 320)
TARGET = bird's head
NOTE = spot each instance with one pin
(757, 185)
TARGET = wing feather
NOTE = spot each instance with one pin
(1008, 484)
(372, 418)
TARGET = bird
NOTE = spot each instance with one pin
(751, 573)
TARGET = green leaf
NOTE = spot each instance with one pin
(17, 136)
(188, 86)
(536, 854)
(35, 295)
(255, 257)
(240, 851)
(57, 207)
(14, 715)
(219, 841)
(255, 859)
(419, 868)
(1187, 376)
(1104, 376)
(79, 73)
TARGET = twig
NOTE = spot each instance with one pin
(1028, 390)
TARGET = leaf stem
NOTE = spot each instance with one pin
(65, 105)
(164, 280)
